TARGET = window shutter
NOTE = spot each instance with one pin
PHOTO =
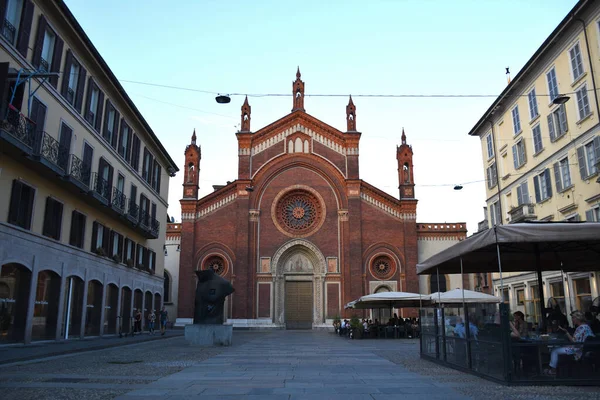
(2, 12)
(145, 165)
(99, 110)
(111, 243)
(39, 42)
(106, 243)
(105, 129)
(74, 229)
(153, 266)
(494, 174)
(551, 130)
(581, 159)
(120, 249)
(47, 228)
(139, 253)
(563, 119)
(536, 185)
(56, 59)
(128, 148)
(597, 151)
(80, 88)
(120, 148)
(110, 179)
(548, 182)
(489, 177)
(58, 212)
(160, 173)
(88, 98)
(66, 73)
(519, 195)
(25, 28)
(151, 170)
(29, 210)
(15, 201)
(559, 187)
(115, 139)
(524, 149)
(146, 258)
(589, 215)
(94, 235)
(515, 157)
(135, 153)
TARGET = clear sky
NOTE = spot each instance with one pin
(349, 47)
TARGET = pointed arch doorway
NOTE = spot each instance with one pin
(299, 271)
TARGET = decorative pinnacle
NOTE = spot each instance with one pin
(194, 137)
(298, 75)
(403, 136)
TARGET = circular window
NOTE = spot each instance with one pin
(217, 264)
(298, 212)
(383, 267)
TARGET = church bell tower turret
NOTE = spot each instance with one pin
(192, 169)
(404, 155)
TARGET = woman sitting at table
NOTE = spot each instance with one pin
(518, 327)
(581, 333)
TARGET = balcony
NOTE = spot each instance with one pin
(51, 154)
(119, 201)
(523, 212)
(17, 131)
(133, 212)
(79, 174)
(482, 225)
(9, 31)
(100, 189)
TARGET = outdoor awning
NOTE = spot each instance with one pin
(456, 297)
(561, 246)
(388, 300)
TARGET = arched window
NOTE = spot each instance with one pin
(167, 288)
(406, 173)
(433, 283)
(190, 177)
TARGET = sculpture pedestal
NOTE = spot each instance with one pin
(209, 335)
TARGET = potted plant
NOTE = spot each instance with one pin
(151, 271)
(100, 251)
(129, 263)
(116, 258)
(140, 266)
(356, 326)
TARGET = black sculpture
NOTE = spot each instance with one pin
(211, 291)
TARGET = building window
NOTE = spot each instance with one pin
(140, 259)
(490, 145)
(125, 141)
(532, 309)
(156, 172)
(94, 103)
(557, 123)
(116, 245)
(593, 214)
(77, 229)
(536, 132)
(583, 103)
(543, 186)
(519, 155)
(47, 50)
(523, 194)
(533, 108)
(100, 239)
(557, 290)
(110, 131)
(573, 218)
(147, 166)
(135, 153)
(583, 294)
(21, 205)
(129, 252)
(12, 20)
(167, 288)
(492, 176)
(52, 219)
(151, 260)
(576, 61)
(505, 296)
(494, 214)
(520, 297)
(552, 84)
(562, 176)
(516, 120)
(588, 156)
(73, 83)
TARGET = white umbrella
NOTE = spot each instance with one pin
(388, 300)
(456, 297)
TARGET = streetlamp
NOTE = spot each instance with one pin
(560, 99)
(223, 99)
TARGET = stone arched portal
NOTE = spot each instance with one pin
(299, 274)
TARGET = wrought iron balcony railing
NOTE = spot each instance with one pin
(154, 227)
(133, 211)
(119, 201)
(78, 170)
(522, 212)
(100, 186)
(19, 126)
(145, 220)
(44, 65)
(9, 31)
(51, 150)
(70, 95)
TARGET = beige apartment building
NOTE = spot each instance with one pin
(540, 142)
(83, 185)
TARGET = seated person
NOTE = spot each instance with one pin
(582, 332)
(461, 332)
(593, 322)
(519, 326)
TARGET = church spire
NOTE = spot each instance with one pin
(298, 92)
(403, 136)
(351, 116)
(245, 126)
(404, 155)
(194, 137)
(192, 169)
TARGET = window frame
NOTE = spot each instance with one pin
(517, 162)
(554, 121)
(492, 175)
(552, 94)
(81, 243)
(29, 213)
(582, 90)
(537, 127)
(489, 145)
(532, 100)
(516, 121)
(523, 197)
(55, 218)
(576, 75)
(543, 186)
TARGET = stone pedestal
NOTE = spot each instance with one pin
(209, 335)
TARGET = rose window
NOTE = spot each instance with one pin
(382, 268)
(298, 211)
(216, 264)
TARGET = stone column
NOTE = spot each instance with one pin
(31, 300)
(60, 320)
(84, 309)
(103, 309)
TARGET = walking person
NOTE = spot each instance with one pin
(138, 322)
(151, 321)
(164, 317)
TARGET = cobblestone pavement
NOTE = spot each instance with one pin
(260, 365)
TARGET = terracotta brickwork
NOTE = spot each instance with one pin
(299, 211)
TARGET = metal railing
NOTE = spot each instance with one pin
(522, 212)
(78, 170)
(145, 220)
(119, 201)
(44, 66)
(154, 226)
(51, 150)
(133, 211)
(100, 186)
(9, 31)
(19, 126)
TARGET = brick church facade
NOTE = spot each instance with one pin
(298, 233)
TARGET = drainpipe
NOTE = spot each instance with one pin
(587, 46)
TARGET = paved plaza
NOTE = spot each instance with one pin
(260, 365)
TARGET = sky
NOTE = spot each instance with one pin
(352, 47)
